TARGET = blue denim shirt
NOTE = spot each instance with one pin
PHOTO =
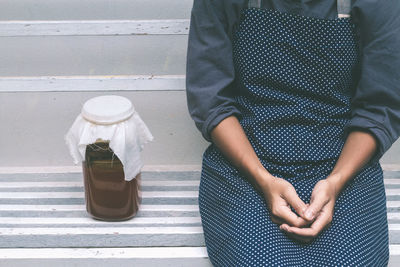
(376, 100)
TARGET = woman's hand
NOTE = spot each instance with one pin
(280, 195)
(320, 210)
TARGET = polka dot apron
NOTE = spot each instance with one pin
(294, 81)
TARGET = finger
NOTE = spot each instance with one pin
(286, 214)
(295, 201)
(317, 202)
(295, 236)
(281, 222)
(276, 219)
(322, 221)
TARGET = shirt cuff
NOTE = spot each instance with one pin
(379, 132)
(215, 118)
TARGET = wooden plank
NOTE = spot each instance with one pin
(107, 252)
(83, 208)
(394, 227)
(392, 169)
(102, 230)
(94, 9)
(145, 194)
(92, 222)
(92, 83)
(195, 256)
(55, 184)
(78, 176)
(392, 192)
(93, 27)
(389, 181)
(101, 236)
(73, 211)
(393, 204)
(393, 215)
(93, 262)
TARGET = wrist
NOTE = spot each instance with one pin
(263, 177)
(338, 182)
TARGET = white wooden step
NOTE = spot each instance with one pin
(34, 210)
(93, 27)
(94, 9)
(93, 55)
(107, 256)
(79, 83)
(34, 136)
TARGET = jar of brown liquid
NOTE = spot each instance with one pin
(107, 137)
(108, 196)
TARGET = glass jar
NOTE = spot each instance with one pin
(107, 137)
(108, 196)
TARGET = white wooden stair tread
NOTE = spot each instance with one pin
(43, 217)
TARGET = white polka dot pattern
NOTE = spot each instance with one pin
(294, 78)
(294, 81)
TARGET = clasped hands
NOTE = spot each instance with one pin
(313, 217)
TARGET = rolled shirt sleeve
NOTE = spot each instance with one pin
(376, 100)
(209, 66)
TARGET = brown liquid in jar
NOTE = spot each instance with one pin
(107, 195)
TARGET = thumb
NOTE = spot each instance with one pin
(315, 206)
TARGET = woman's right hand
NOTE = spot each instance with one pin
(280, 195)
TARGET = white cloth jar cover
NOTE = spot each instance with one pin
(110, 118)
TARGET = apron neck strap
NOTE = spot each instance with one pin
(343, 6)
(254, 3)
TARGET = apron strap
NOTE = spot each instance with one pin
(343, 8)
(254, 3)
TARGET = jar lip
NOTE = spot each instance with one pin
(107, 109)
(105, 122)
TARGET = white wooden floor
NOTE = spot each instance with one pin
(43, 222)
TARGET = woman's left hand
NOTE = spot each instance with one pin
(321, 208)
